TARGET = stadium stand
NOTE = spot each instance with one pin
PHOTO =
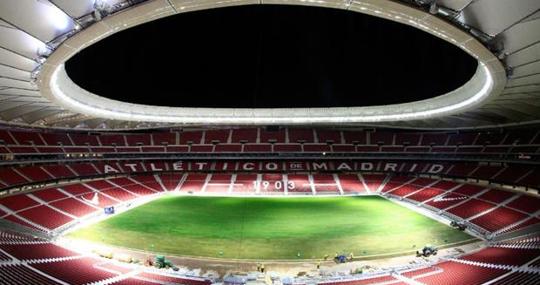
(36, 261)
(48, 187)
(477, 205)
(455, 273)
(22, 274)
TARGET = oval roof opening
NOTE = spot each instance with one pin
(271, 56)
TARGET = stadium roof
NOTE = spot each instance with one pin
(37, 36)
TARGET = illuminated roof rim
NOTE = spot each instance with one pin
(486, 83)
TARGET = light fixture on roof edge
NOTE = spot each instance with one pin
(101, 9)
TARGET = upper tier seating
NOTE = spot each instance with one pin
(513, 143)
(244, 135)
(255, 135)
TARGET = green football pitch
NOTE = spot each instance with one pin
(271, 228)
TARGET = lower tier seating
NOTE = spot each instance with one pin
(503, 256)
(53, 208)
(36, 251)
(76, 271)
(498, 219)
(37, 261)
(11, 274)
(454, 273)
(385, 279)
(521, 278)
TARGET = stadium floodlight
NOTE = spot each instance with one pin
(433, 8)
(43, 51)
(35, 73)
(101, 9)
(447, 12)
(40, 59)
(87, 103)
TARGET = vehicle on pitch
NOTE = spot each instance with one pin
(427, 251)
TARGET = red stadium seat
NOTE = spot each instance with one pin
(470, 208)
(77, 271)
(453, 273)
(244, 135)
(194, 137)
(271, 136)
(301, 136)
(46, 217)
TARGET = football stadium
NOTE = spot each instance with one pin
(282, 142)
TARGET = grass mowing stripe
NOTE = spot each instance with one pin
(270, 228)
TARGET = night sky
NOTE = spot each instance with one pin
(271, 56)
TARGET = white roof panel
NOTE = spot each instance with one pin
(524, 56)
(520, 35)
(10, 72)
(527, 69)
(21, 43)
(20, 92)
(75, 9)
(41, 19)
(495, 16)
(25, 26)
(14, 60)
(7, 82)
